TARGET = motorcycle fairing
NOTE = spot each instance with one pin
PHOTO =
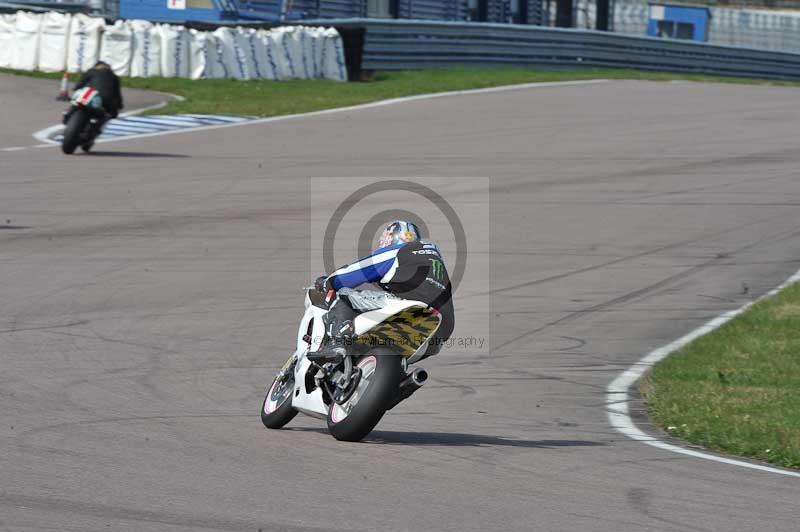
(87, 97)
(310, 403)
(404, 325)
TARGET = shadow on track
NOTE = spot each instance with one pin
(454, 439)
(467, 440)
(134, 154)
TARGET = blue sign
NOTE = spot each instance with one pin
(679, 22)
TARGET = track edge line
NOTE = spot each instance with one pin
(618, 390)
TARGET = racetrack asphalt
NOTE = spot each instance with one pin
(150, 292)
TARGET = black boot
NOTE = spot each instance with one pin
(328, 353)
(340, 337)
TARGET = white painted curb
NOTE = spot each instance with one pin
(618, 391)
(45, 134)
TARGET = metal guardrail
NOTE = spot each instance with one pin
(404, 44)
(42, 6)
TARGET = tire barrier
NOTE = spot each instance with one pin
(52, 42)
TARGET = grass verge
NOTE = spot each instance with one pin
(269, 98)
(737, 389)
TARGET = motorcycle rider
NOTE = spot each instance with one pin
(404, 266)
(102, 79)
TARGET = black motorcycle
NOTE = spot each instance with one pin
(84, 120)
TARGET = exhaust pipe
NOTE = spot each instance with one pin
(418, 377)
(409, 385)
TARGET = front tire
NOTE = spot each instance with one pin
(381, 372)
(72, 133)
(277, 409)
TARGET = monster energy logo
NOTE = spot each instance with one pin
(437, 269)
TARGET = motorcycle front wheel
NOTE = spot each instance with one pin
(277, 409)
(72, 133)
(381, 372)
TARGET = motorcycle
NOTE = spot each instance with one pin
(354, 391)
(83, 120)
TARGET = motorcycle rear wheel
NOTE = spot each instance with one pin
(381, 372)
(277, 409)
(72, 133)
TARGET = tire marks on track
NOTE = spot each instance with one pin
(626, 258)
(644, 291)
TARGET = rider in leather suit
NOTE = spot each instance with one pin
(403, 265)
(103, 79)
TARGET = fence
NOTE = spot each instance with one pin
(751, 28)
(401, 44)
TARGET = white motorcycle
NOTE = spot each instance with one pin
(354, 391)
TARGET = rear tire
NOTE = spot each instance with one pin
(382, 371)
(72, 133)
(277, 409)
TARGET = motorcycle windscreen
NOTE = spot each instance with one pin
(406, 332)
(317, 298)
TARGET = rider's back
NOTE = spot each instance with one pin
(405, 266)
(104, 81)
(420, 274)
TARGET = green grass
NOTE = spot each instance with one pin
(270, 98)
(737, 389)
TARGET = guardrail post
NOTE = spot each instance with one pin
(603, 12)
(564, 13)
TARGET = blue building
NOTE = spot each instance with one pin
(679, 22)
(505, 11)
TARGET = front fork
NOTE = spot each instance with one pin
(68, 113)
(286, 371)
